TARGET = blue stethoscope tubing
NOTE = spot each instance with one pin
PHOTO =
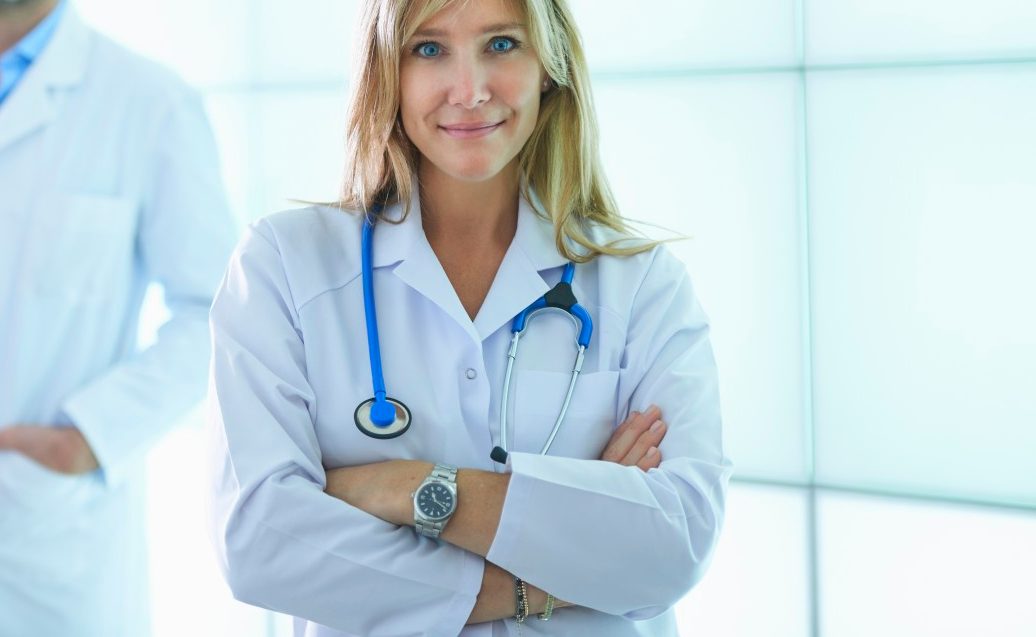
(378, 417)
(383, 417)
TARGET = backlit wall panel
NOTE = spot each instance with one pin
(923, 209)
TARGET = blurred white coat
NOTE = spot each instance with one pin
(109, 180)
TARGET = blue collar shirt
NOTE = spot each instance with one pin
(16, 61)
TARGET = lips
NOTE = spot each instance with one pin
(470, 130)
(469, 126)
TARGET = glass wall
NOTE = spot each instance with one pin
(858, 181)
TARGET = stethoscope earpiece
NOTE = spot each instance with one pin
(498, 455)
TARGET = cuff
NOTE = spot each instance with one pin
(463, 602)
(91, 420)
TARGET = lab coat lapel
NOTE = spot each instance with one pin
(422, 271)
(519, 281)
(31, 105)
(405, 243)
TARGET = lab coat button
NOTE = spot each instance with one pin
(471, 374)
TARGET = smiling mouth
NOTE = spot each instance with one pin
(467, 131)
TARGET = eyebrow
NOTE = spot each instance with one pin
(503, 26)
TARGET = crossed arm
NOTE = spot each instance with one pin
(384, 489)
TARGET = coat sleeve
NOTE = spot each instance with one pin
(185, 235)
(614, 538)
(283, 543)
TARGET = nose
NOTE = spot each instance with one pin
(468, 84)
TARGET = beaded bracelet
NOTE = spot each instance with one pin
(521, 601)
(549, 608)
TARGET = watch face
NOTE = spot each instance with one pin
(435, 501)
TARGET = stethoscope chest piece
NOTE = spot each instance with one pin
(384, 419)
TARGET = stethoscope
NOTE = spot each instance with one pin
(384, 417)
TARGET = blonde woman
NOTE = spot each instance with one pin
(366, 361)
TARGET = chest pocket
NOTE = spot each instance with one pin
(84, 245)
(588, 424)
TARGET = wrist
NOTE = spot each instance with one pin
(411, 473)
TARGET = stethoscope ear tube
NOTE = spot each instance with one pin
(380, 416)
(559, 298)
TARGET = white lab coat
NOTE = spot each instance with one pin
(290, 366)
(109, 179)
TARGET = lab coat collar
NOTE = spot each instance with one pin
(518, 281)
(61, 64)
(534, 236)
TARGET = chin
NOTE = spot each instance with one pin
(473, 171)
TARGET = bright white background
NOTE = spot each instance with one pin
(859, 178)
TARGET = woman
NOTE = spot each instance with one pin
(474, 154)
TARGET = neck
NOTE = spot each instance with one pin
(475, 214)
(19, 19)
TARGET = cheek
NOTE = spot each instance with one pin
(521, 90)
(527, 104)
(413, 100)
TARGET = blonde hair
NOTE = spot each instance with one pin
(560, 161)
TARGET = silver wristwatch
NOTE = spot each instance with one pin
(435, 500)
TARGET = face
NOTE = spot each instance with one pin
(470, 86)
(18, 5)
(26, 3)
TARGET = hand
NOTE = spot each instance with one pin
(61, 449)
(633, 443)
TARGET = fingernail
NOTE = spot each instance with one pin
(651, 452)
(657, 426)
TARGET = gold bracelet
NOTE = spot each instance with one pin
(545, 615)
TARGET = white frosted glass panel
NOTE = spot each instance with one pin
(923, 207)
(758, 582)
(308, 41)
(188, 595)
(205, 41)
(900, 569)
(677, 34)
(233, 120)
(714, 158)
(890, 30)
(302, 148)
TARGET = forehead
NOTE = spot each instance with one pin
(475, 16)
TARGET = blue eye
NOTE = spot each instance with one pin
(427, 49)
(502, 45)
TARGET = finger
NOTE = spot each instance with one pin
(626, 435)
(624, 438)
(648, 439)
(626, 424)
(651, 459)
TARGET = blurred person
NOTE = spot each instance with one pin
(476, 212)
(109, 180)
